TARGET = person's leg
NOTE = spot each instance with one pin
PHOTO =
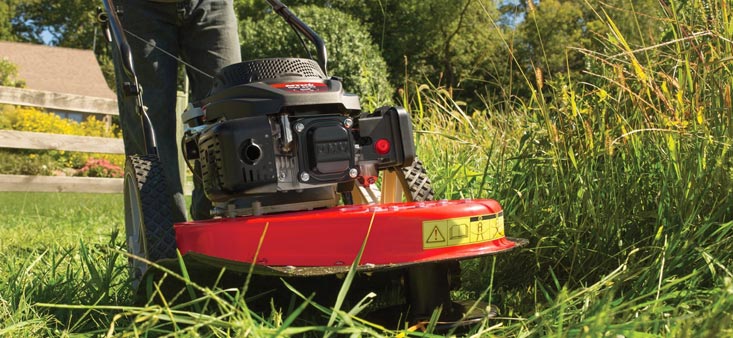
(209, 42)
(157, 72)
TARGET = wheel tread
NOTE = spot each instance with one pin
(156, 209)
(417, 181)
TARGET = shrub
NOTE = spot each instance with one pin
(99, 168)
(21, 162)
(31, 119)
(352, 54)
(7, 115)
(9, 74)
(55, 162)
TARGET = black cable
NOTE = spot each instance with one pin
(300, 37)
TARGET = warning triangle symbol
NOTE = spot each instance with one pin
(435, 236)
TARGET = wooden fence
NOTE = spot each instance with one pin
(39, 141)
(59, 102)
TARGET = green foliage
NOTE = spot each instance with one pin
(351, 54)
(454, 44)
(250, 9)
(5, 26)
(18, 162)
(70, 23)
(9, 74)
(638, 21)
(56, 162)
(547, 32)
(107, 67)
(8, 20)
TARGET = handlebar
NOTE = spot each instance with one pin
(293, 20)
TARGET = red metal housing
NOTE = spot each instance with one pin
(393, 234)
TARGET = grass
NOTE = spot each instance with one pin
(59, 248)
(31, 219)
(620, 178)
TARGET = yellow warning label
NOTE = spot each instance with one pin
(461, 231)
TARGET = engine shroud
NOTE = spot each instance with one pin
(278, 125)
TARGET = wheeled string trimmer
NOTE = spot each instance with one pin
(291, 162)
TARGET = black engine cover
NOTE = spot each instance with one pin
(236, 157)
(326, 149)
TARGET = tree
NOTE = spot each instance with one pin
(449, 43)
(12, 27)
(547, 33)
(638, 21)
(69, 23)
(552, 35)
(6, 15)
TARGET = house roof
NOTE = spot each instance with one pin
(57, 69)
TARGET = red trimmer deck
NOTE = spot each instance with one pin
(410, 257)
(401, 234)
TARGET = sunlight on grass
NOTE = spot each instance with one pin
(620, 180)
(33, 220)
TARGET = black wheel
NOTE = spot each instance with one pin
(415, 179)
(409, 184)
(148, 218)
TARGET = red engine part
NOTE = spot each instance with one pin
(395, 234)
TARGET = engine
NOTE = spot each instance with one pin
(277, 135)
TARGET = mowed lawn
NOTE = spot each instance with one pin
(38, 221)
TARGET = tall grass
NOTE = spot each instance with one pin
(620, 179)
(59, 248)
(622, 183)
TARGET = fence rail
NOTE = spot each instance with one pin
(43, 141)
(57, 101)
(40, 141)
(25, 183)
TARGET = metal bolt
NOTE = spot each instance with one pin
(299, 127)
(304, 176)
(353, 172)
(281, 176)
(348, 122)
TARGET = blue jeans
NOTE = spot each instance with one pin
(204, 34)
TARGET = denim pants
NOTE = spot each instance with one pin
(202, 33)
